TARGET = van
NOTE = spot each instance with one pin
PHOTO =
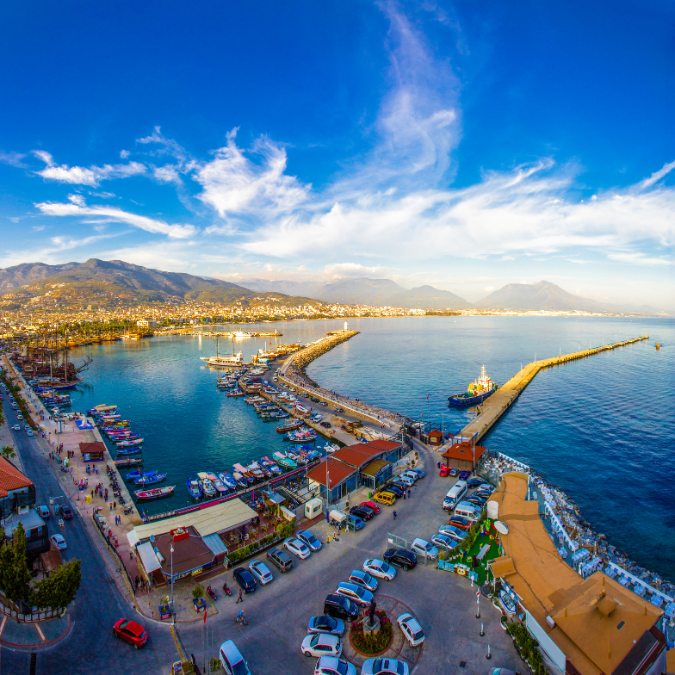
(385, 498)
(231, 659)
(337, 518)
(280, 559)
(455, 493)
(468, 511)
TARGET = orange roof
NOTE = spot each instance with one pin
(11, 478)
(435, 433)
(596, 620)
(464, 451)
(384, 446)
(330, 469)
(92, 448)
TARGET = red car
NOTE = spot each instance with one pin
(131, 632)
(372, 505)
(444, 470)
(461, 523)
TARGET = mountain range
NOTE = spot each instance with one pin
(101, 282)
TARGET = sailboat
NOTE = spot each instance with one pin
(231, 361)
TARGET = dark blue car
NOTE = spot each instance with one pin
(245, 579)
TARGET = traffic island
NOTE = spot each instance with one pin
(372, 639)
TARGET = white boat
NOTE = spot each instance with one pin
(231, 361)
(238, 334)
(207, 485)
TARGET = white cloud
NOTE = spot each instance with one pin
(12, 158)
(656, 176)
(232, 184)
(354, 270)
(124, 154)
(167, 174)
(638, 258)
(77, 207)
(78, 175)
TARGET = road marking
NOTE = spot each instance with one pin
(175, 639)
(40, 633)
(3, 624)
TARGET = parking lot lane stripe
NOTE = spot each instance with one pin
(3, 623)
(40, 633)
(175, 639)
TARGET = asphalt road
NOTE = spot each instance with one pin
(90, 646)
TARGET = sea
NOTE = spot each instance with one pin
(600, 428)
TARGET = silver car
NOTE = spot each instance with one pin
(379, 568)
(363, 579)
(356, 593)
(411, 629)
(297, 547)
(384, 667)
(260, 571)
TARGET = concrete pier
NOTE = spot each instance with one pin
(497, 404)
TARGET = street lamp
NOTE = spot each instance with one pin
(173, 614)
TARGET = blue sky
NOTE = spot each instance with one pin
(466, 145)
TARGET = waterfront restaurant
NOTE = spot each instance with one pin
(200, 540)
(92, 452)
(463, 456)
(16, 490)
(584, 626)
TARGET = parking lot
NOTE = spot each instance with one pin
(444, 603)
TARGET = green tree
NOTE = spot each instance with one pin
(8, 451)
(60, 588)
(14, 573)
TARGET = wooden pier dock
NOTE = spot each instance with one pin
(497, 404)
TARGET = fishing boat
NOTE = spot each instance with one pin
(137, 473)
(228, 480)
(270, 465)
(129, 451)
(207, 487)
(291, 425)
(128, 461)
(284, 461)
(128, 444)
(301, 409)
(221, 488)
(330, 448)
(300, 436)
(244, 472)
(150, 478)
(193, 486)
(256, 470)
(239, 479)
(476, 392)
(155, 493)
(235, 394)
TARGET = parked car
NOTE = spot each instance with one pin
(355, 523)
(387, 498)
(65, 511)
(297, 547)
(361, 513)
(58, 541)
(502, 671)
(308, 538)
(400, 557)
(354, 592)
(321, 644)
(245, 579)
(453, 532)
(326, 425)
(484, 490)
(361, 578)
(340, 607)
(333, 665)
(454, 472)
(231, 659)
(131, 632)
(464, 475)
(261, 572)
(444, 471)
(43, 512)
(411, 629)
(475, 482)
(326, 624)
(395, 489)
(16, 427)
(371, 505)
(379, 568)
(423, 547)
(443, 541)
(419, 472)
(370, 511)
(280, 559)
(460, 522)
(382, 666)
(29, 433)
(477, 500)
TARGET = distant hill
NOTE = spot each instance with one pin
(364, 291)
(547, 296)
(28, 273)
(100, 282)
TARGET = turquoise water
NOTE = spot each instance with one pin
(601, 428)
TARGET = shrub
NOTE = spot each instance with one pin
(369, 643)
(198, 592)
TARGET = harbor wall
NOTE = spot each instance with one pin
(496, 405)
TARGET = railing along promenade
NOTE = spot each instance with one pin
(497, 404)
(292, 373)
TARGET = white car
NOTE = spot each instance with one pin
(16, 427)
(424, 548)
(58, 541)
(379, 568)
(321, 644)
(411, 629)
(260, 571)
(453, 532)
(444, 541)
(332, 665)
(29, 433)
(356, 593)
(384, 667)
(297, 548)
(364, 579)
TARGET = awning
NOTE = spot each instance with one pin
(133, 539)
(275, 498)
(215, 543)
(148, 557)
(374, 467)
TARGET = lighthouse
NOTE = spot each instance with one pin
(345, 325)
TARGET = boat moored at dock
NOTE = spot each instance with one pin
(476, 392)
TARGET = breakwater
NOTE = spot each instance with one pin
(497, 404)
(293, 372)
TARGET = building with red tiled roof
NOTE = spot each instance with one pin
(357, 455)
(463, 456)
(334, 478)
(15, 489)
(93, 452)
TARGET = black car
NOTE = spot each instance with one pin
(361, 513)
(340, 607)
(395, 489)
(474, 482)
(367, 509)
(65, 511)
(475, 499)
(245, 579)
(280, 559)
(400, 557)
(326, 425)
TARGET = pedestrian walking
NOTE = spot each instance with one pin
(394, 515)
(136, 580)
(110, 507)
(114, 504)
(240, 598)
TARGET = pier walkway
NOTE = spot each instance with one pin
(497, 404)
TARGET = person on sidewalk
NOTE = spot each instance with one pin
(240, 598)
(394, 515)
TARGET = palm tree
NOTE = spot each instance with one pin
(8, 452)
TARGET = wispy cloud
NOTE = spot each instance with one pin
(78, 175)
(12, 158)
(638, 258)
(656, 176)
(77, 207)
